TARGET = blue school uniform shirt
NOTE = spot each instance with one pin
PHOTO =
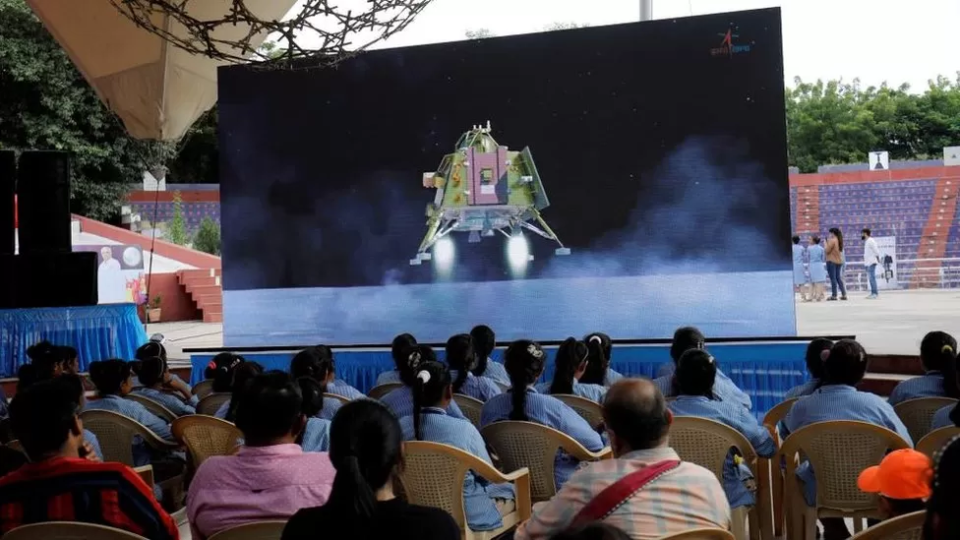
(723, 389)
(740, 419)
(804, 389)
(478, 494)
(481, 388)
(316, 435)
(551, 412)
(611, 377)
(223, 410)
(593, 392)
(388, 377)
(330, 408)
(170, 401)
(941, 418)
(94, 443)
(929, 385)
(400, 401)
(341, 388)
(838, 402)
(134, 411)
(497, 372)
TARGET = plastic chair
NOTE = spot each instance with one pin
(934, 441)
(771, 420)
(917, 414)
(210, 404)
(69, 530)
(203, 388)
(587, 409)
(701, 534)
(906, 527)
(707, 443)
(206, 436)
(154, 407)
(257, 530)
(471, 408)
(532, 445)
(433, 476)
(838, 451)
(378, 392)
(145, 473)
(342, 399)
(116, 433)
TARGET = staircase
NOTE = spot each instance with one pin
(808, 209)
(204, 288)
(933, 241)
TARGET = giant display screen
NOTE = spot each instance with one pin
(627, 179)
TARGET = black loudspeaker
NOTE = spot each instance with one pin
(49, 280)
(8, 176)
(43, 200)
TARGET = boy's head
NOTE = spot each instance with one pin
(902, 480)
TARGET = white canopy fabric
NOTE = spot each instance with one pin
(157, 89)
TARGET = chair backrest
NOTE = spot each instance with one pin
(203, 388)
(342, 399)
(917, 414)
(212, 403)
(471, 408)
(154, 407)
(934, 441)
(257, 530)
(378, 392)
(433, 476)
(707, 443)
(778, 412)
(701, 534)
(16, 445)
(116, 433)
(68, 530)
(587, 409)
(839, 451)
(906, 527)
(206, 436)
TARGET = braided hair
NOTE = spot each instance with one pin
(413, 357)
(570, 356)
(599, 347)
(484, 341)
(433, 380)
(524, 361)
(462, 357)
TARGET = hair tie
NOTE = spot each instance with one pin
(535, 351)
(597, 339)
(824, 355)
(424, 376)
(414, 359)
(586, 357)
(947, 349)
(710, 359)
(212, 365)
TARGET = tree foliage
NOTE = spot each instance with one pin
(177, 230)
(207, 239)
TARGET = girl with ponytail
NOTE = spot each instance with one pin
(949, 415)
(572, 361)
(400, 401)
(938, 354)
(160, 386)
(525, 360)
(598, 369)
(316, 431)
(484, 342)
(365, 449)
(400, 344)
(462, 358)
(818, 351)
(724, 389)
(317, 364)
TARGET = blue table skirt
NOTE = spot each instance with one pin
(97, 332)
(764, 370)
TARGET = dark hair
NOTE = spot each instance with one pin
(241, 377)
(796, 239)
(268, 407)
(68, 355)
(151, 349)
(636, 418)
(817, 350)
(900, 507)
(816, 239)
(27, 376)
(945, 497)
(866, 231)
(524, 361)
(311, 392)
(484, 342)
(314, 362)
(365, 448)
(684, 339)
(696, 373)
(45, 358)
(570, 356)
(429, 393)
(415, 356)
(221, 369)
(150, 370)
(938, 352)
(599, 349)
(836, 232)
(42, 417)
(847, 363)
(109, 375)
(596, 530)
(462, 357)
(400, 344)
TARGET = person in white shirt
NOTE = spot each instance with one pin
(871, 258)
(111, 284)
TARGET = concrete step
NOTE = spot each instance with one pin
(186, 275)
(191, 282)
(209, 317)
(196, 291)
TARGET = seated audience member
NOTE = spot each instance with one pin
(598, 369)
(113, 381)
(462, 359)
(400, 344)
(317, 363)
(70, 360)
(59, 485)
(838, 399)
(400, 401)
(939, 357)
(160, 386)
(484, 342)
(651, 492)
(432, 392)
(315, 436)
(902, 480)
(597, 530)
(270, 477)
(366, 452)
(696, 372)
(943, 521)
(525, 361)
(154, 348)
(949, 415)
(221, 369)
(571, 363)
(724, 389)
(817, 352)
(240, 376)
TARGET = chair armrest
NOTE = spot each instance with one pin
(156, 442)
(579, 452)
(519, 477)
(145, 473)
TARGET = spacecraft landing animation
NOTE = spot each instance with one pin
(482, 189)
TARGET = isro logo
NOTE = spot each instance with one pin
(727, 46)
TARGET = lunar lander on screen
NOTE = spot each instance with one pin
(483, 189)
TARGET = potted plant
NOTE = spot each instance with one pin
(153, 311)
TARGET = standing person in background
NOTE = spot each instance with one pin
(835, 264)
(799, 276)
(484, 341)
(817, 266)
(871, 258)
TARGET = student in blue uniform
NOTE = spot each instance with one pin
(724, 389)
(525, 361)
(799, 273)
(817, 266)
(937, 354)
(571, 363)
(432, 393)
(462, 358)
(817, 352)
(696, 373)
(316, 430)
(239, 377)
(598, 369)
(160, 386)
(949, 415)
(317, 363)
(484, 341)
(400, 401)
(400, 344)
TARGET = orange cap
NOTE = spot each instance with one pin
(903, 474)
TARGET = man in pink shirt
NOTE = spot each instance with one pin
(271, 477)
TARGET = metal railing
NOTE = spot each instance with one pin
(911, 273)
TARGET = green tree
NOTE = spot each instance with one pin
(479, 33)
(570, 25)
(207, 239)
(177, 230)
(198, 161)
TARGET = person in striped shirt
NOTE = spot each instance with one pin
(571, 363)
(400, 344)
(938, 355)
(817, 352)
(462, 358)
(160, 386)
(724, 389)
(598, 370)
(400, 400)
